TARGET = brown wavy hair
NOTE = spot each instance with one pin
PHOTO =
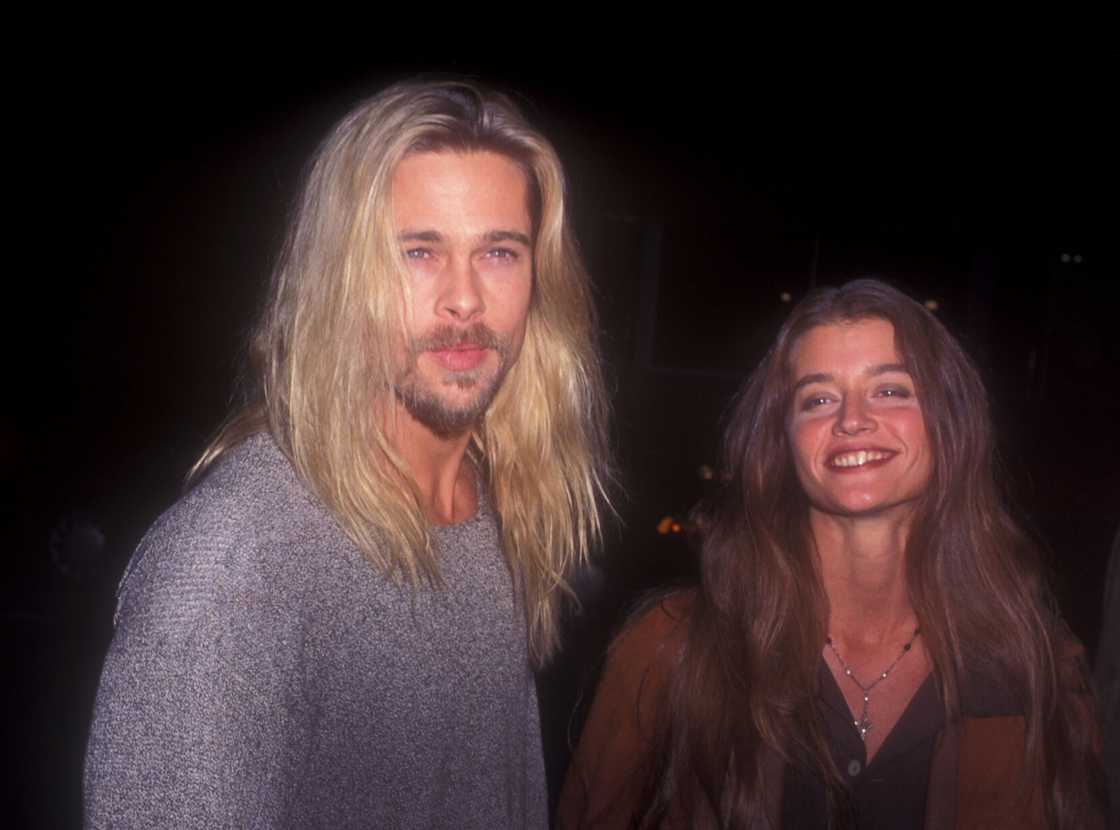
(742, 702)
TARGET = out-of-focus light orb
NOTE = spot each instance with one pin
(1077, 258)
(665, 526)
(706, 472)
(932, 305)
(1065, 257)
(785, 297)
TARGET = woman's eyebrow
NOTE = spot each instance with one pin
(872, 371)
(884, 368)
(816, 377)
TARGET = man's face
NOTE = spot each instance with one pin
(463, 224)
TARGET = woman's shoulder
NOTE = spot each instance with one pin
(993, 686)
(656, 631)
(607, 778)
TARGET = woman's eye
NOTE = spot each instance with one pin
(894, 392)
(814, 401)
(417, 253)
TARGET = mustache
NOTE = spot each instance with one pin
(441, 337)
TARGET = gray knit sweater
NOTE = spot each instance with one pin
(263, 674)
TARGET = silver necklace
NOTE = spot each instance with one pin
(863, 724)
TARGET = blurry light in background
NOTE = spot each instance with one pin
(705, 472)
(668, 525)
(785, 297)
(932, 305)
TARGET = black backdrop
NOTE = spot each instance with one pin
(152, 193)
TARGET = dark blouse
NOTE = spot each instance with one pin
(889, 792)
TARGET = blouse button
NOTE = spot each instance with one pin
(854, 768)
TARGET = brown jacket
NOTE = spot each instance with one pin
(975, 772)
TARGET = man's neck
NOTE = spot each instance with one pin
(439, 468)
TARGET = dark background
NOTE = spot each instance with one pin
(153, 190)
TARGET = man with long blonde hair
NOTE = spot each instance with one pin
(336, 626)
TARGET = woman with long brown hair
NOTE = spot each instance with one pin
(872, 643)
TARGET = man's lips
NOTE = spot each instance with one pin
(461, 357)
(854, 460)
(458, 350)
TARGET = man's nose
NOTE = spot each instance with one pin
(461, 293)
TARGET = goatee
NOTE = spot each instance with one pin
(423, 401)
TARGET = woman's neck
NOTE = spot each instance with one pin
(863, 569)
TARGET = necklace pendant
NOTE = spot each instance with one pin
(863, 725)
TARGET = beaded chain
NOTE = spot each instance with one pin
(863, 724)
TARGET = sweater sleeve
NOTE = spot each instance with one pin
(197, 720)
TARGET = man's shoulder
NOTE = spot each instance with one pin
(229, 536)
(252, 492)
(253, 479)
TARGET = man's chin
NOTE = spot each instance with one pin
(446, 419)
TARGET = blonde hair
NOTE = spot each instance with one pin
(323, 358)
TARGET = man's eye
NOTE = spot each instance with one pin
(417, 253)
(501, 253)
(894, 392)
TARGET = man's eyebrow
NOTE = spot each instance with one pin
(420, 236)
(488, 237)
(508, 236)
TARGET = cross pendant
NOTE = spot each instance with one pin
(863, 725)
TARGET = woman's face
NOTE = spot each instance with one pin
(855, 425)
